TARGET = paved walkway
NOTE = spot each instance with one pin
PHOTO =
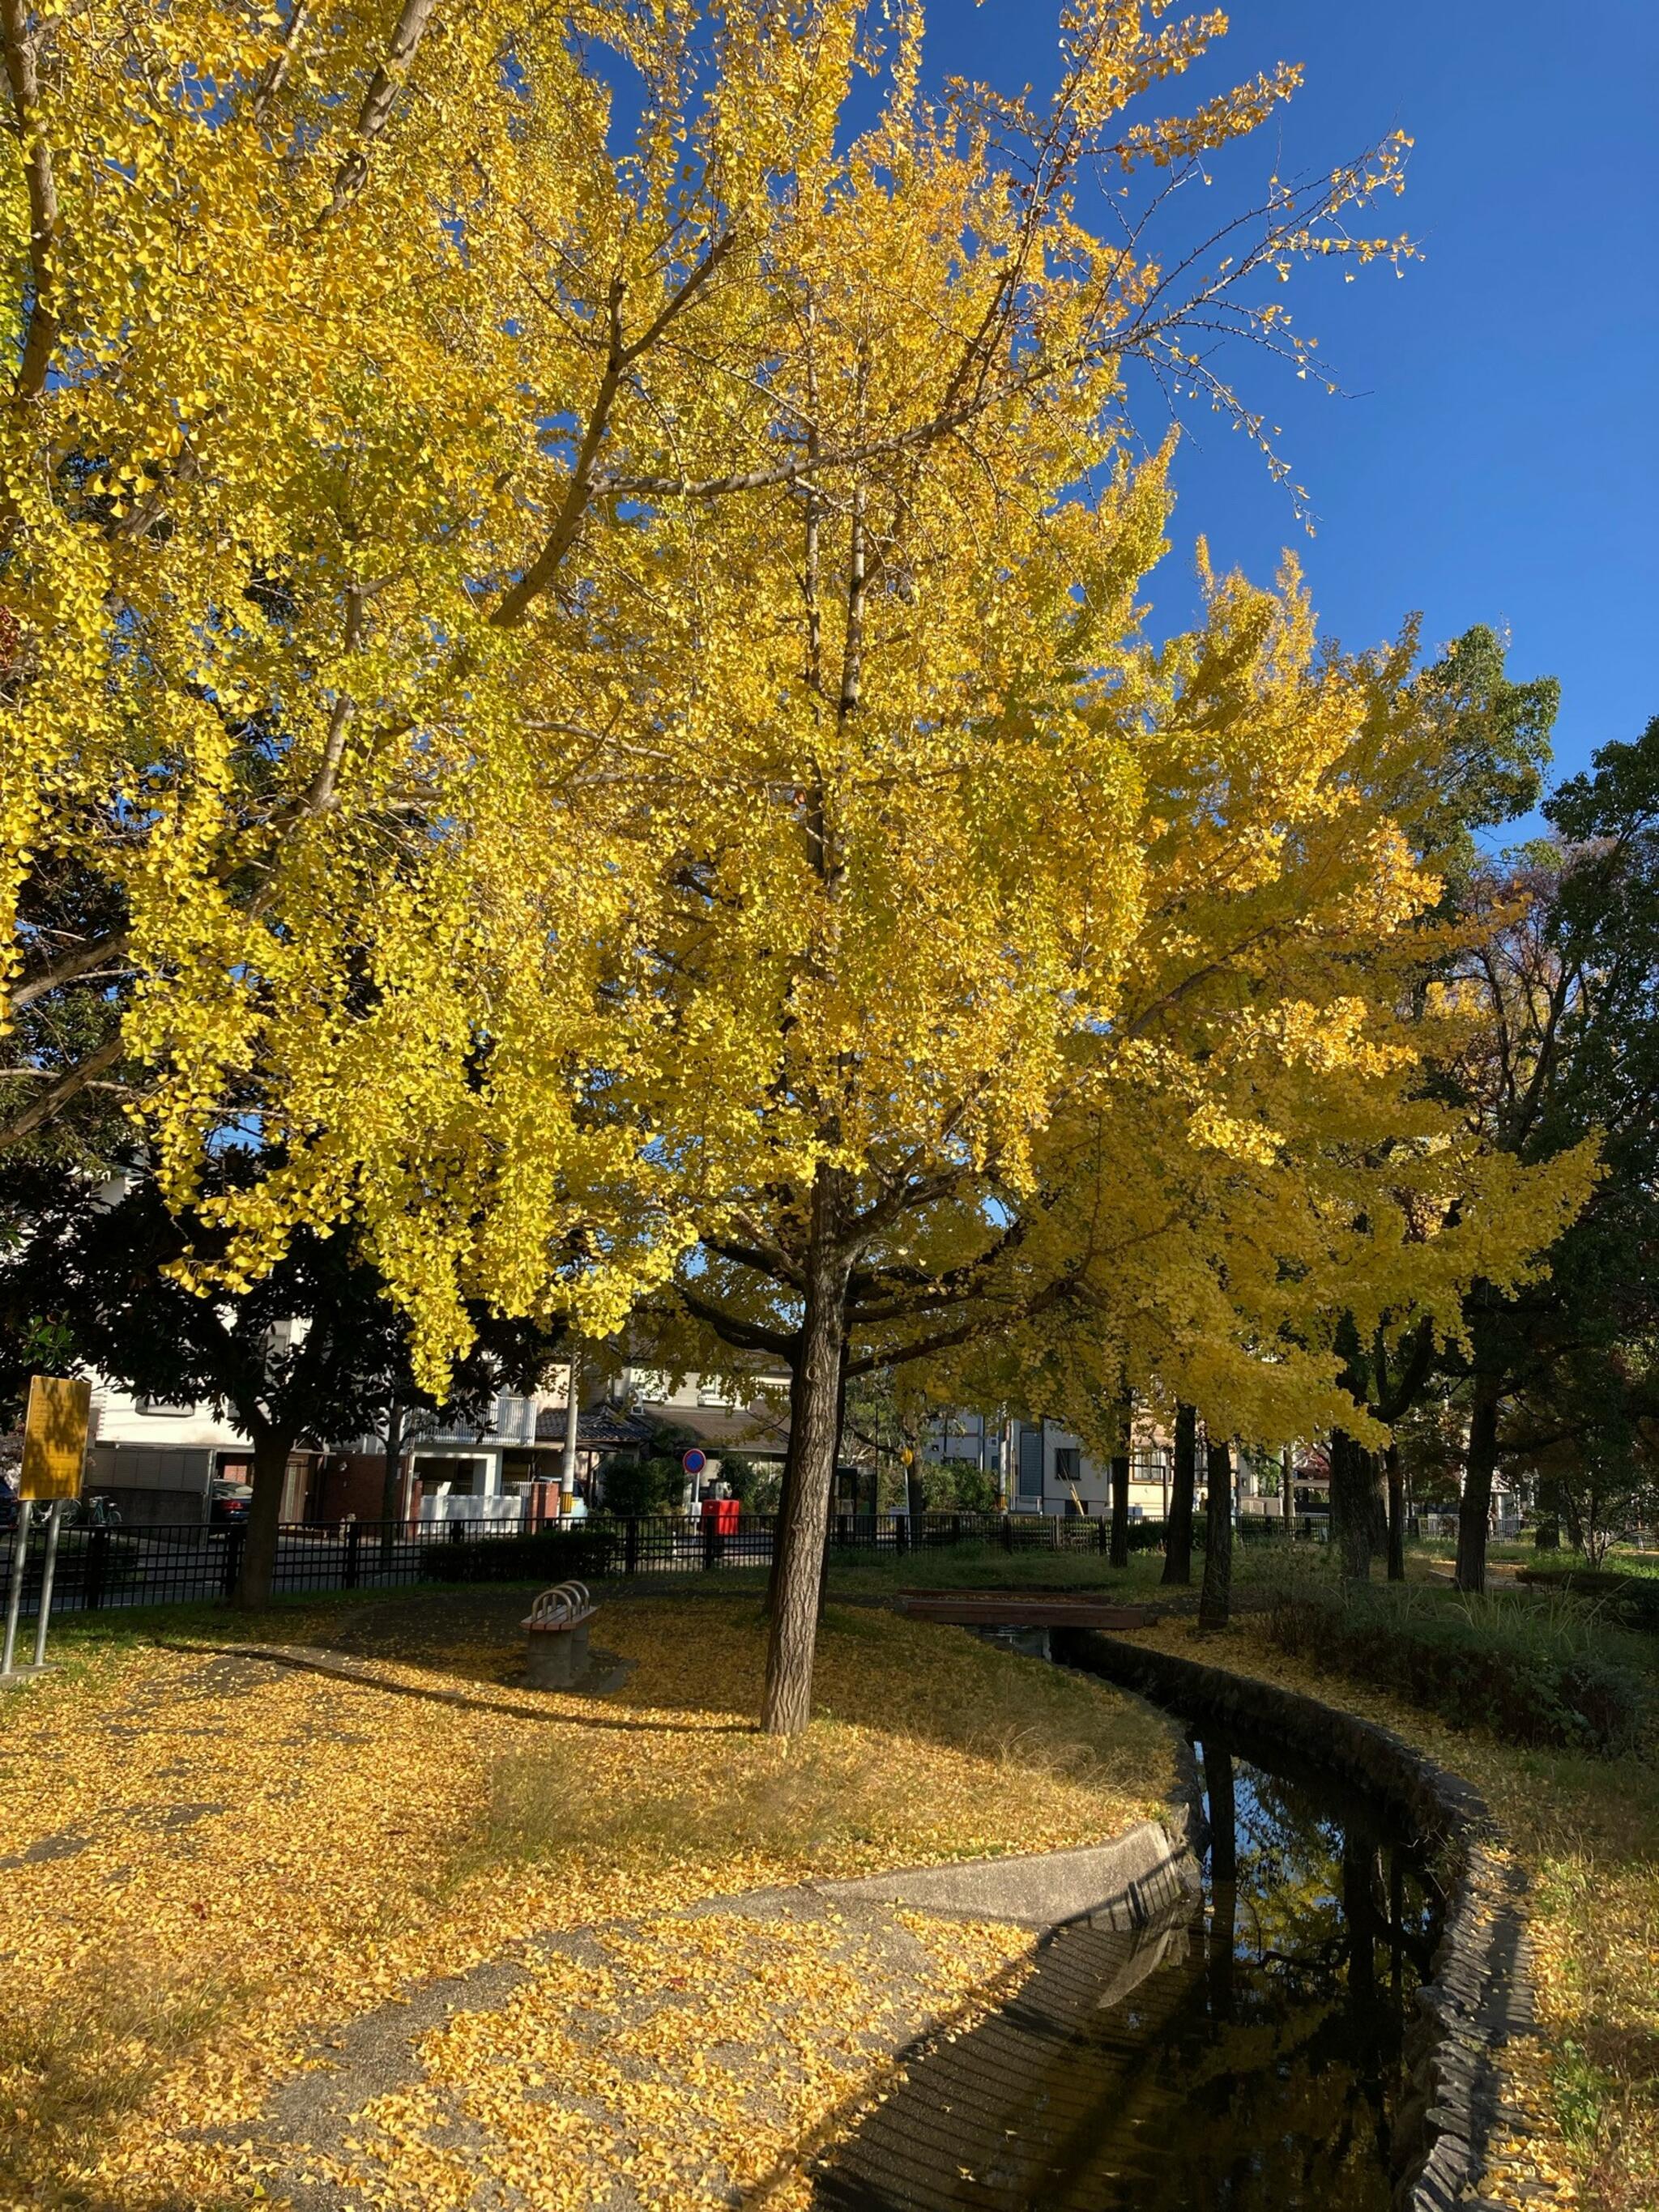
(712, 2061)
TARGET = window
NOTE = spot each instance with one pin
(1068, 1467)
(161, 1410)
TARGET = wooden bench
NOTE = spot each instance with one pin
(557, 1626)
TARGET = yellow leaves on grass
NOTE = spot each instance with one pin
(218, 1864)
(699, 2057)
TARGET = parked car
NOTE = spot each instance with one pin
(228, 1503)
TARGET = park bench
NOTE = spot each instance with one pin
(557, 1627)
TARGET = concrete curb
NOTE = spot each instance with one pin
(1122, 1884)
(1477, 1997)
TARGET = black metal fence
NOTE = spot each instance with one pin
(106, 1567)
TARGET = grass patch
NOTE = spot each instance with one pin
(73, 2070)
(1548, 1671)
(802, 1801)
(1632, 1599)
(896, 1701)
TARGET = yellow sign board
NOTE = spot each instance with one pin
(55, 1437)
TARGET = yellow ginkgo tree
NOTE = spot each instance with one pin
(1094, 1071)
(1264, 1163)
(587, 607)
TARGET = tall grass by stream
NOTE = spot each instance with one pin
(1536, 1667)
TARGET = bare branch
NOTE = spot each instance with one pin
(282, 61)
(58, 1094)
(378, 104)
(620, 356)
(744, 1335)
(40, 336)
(71, 967)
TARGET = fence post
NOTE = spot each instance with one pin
(631, 1545)
(354, 1535)
(97, 1568)
(1104, 1535)
(235, 1537)
(709, 1542)
(1007, 1532)
(900, 1532)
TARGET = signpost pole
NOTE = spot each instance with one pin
(54, 1463)
(54, 1522)
(19, 1552)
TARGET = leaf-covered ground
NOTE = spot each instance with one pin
(1586, 1831)
(218, 1869)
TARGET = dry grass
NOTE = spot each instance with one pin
(72, 2072)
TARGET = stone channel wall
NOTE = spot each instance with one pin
(1476, 1995)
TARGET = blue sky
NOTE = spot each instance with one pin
(1499, 460)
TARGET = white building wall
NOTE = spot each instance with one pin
(119, 1417)
(1043, 1449)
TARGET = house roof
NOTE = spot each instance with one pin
(602, 1428)
(759, 1431)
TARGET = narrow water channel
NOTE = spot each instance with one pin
(1244, 2052)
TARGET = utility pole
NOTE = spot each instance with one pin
(572, 1432)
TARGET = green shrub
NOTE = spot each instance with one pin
(958, 1485)
(757, 1489)
(642, 1486)
(549, 1556)
(1531, 1672)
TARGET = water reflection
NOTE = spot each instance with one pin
(1244, 2052)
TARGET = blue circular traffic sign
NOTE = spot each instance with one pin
(694, 1461)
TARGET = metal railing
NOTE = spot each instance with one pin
(176, 1564)
(100, 1568)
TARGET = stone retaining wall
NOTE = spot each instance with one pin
(1476, 1997)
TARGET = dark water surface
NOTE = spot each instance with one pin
(1243, 2052)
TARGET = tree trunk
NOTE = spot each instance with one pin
(271, 1454)
(1178, 1529)
(785, 1492)
(915, 1489)
(814, 1425)
(1574, 1517)
(1547, 1536)
(1288, 1489)
(1474, 1509)
(1376, 1503)
(1120, 1557)
(392, 1481)
(1214, 1596)
(1396, 1516)
(1351, 1506)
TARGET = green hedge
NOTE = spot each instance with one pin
(552, 1555)
(1533, 1673)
